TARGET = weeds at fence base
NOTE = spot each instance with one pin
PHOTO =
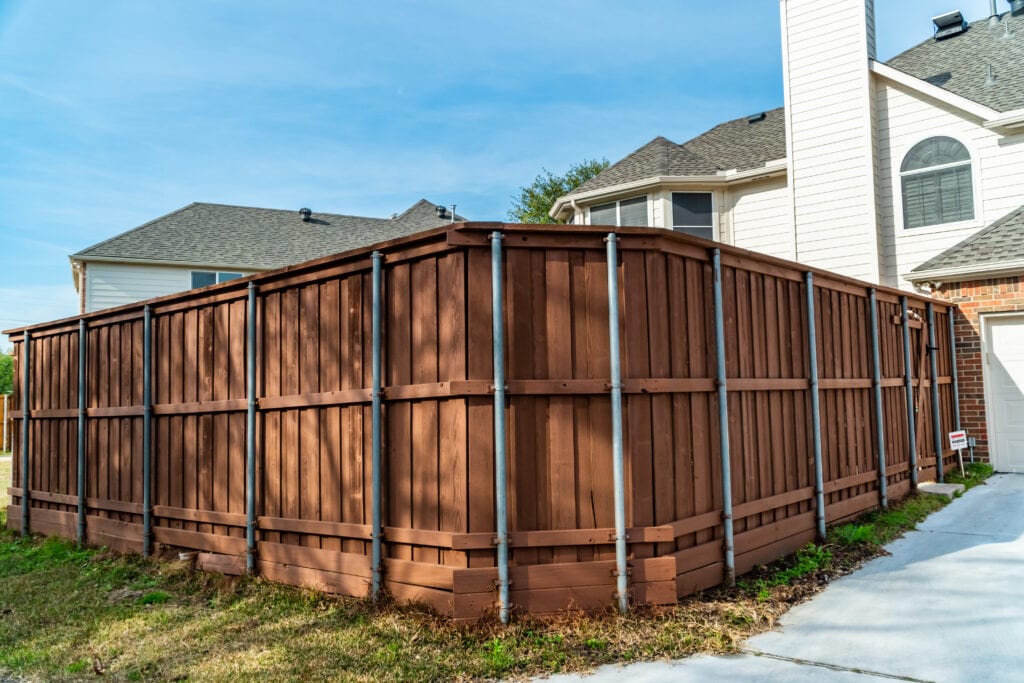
(70, 613)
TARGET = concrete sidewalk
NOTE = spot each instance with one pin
(947, 605)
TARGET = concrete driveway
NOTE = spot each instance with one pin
(947, 605)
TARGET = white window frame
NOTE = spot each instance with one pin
(670, 218)
(216, 276)
(897, 191)
(618, 208)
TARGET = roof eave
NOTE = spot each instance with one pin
(80, 258)
(967, 272)
(769, 170)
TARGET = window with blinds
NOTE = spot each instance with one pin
(626, 212)
(937, 183)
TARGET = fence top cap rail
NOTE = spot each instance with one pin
(238, 288)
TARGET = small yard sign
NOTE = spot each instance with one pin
(958, 440)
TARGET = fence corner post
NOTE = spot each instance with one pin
(812, 357)
(876, 386)
(723, 419)
(618, 473)
(26, 416)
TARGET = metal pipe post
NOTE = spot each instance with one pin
(147, 431)
(618, 475)
(956, 374)
(876, 384)
(82, 337)
(940, 476)
(5, 423)
(250, 430)
(377, 531)
(812, 343)
(500, 484)
(26, 388)
(723, 419)
(908, 374)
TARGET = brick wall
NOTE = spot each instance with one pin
(975, 299)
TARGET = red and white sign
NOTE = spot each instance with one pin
(958, 440)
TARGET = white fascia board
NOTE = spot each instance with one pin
(1010, 119)
(961, 273)
(732, 177)
(933, 91)
(173, 264)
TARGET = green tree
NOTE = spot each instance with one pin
(534, 201)
(6, 373)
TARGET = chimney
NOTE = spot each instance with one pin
(826, 52)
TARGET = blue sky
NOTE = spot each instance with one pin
(113, 113)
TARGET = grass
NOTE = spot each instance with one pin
(73, 614)
(975, 473)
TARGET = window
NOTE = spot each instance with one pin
(205, 278)
(692, 213)
(626, 212)
(937, 186)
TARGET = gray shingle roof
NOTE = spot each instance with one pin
(740, 144)
(960, 63)
(252, 238)
(1001, 242)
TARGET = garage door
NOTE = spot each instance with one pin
(1004, 381)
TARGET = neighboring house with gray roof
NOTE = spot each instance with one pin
(869, 169)
(907, 173)
(203, 244)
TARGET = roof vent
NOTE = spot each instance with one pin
(305, 214)
(442, 212)
(949, 24)
(754, 118)
(1017, 7)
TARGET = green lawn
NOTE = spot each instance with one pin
(5, 482)
(71, 614)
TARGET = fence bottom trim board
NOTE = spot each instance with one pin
(228, 565)
(314, 579)
(182, 538)
(560, 575)
(315, 558)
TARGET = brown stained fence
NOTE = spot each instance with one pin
(313, 430)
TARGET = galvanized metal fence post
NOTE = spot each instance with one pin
(377, 531)
(812, 343)
(250, 430)
(618, 475)
(147, 431)
(908, 374)
(82, 341)
(500, 484)
(956, 374)
(876, 385)
(5, 423)
(940, 475)
(26, 388)
(723, 419)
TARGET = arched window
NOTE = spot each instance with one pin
(937, 187)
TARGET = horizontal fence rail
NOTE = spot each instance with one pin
(491, 419)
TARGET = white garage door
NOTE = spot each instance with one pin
(1004, 381)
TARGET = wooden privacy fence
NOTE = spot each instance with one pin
(246, 420)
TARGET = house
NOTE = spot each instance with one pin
(203, 244)
(906, 173)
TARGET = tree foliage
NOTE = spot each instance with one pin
(534, 201)
(6, 373)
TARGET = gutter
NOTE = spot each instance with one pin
(961, 273)
(246, 270)
(770, 169)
